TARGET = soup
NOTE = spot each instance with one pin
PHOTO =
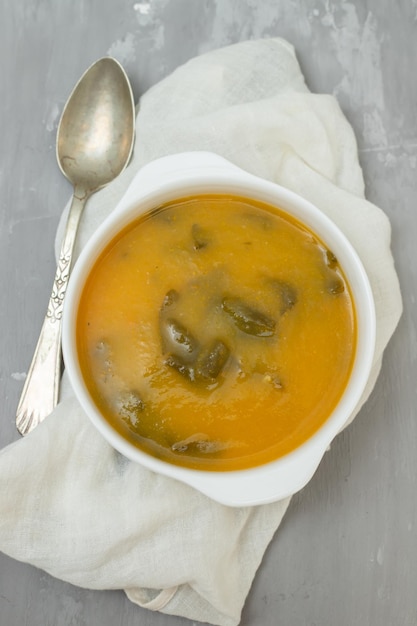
(216, 332)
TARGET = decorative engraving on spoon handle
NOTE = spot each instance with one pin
(41, 389)
(56, 301)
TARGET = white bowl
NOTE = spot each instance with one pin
(196, 173)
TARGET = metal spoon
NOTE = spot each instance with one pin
(94, 144)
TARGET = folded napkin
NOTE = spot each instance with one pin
(69, 503)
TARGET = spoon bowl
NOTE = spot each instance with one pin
(94, 144)
(95, 134)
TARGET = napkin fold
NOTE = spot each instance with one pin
(73, 506)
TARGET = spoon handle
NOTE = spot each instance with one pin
(41, 389)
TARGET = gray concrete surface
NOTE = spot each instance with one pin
(346, 552)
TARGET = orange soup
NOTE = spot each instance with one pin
(216, 332)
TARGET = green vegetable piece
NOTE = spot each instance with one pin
(335, 284)
(201, 237)
(170, 298)
(247, 319)
(186, 370)
(212, 361)
(331, 260)
(176, 338)
(287, 294)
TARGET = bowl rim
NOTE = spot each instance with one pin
(202, 173)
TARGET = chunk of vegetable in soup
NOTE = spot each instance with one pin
(216, 332)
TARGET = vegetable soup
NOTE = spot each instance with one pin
(216, 332)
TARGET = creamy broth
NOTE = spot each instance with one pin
(216, 332)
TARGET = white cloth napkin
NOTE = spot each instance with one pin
(69, 503)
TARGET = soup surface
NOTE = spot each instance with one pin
(215, 332)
